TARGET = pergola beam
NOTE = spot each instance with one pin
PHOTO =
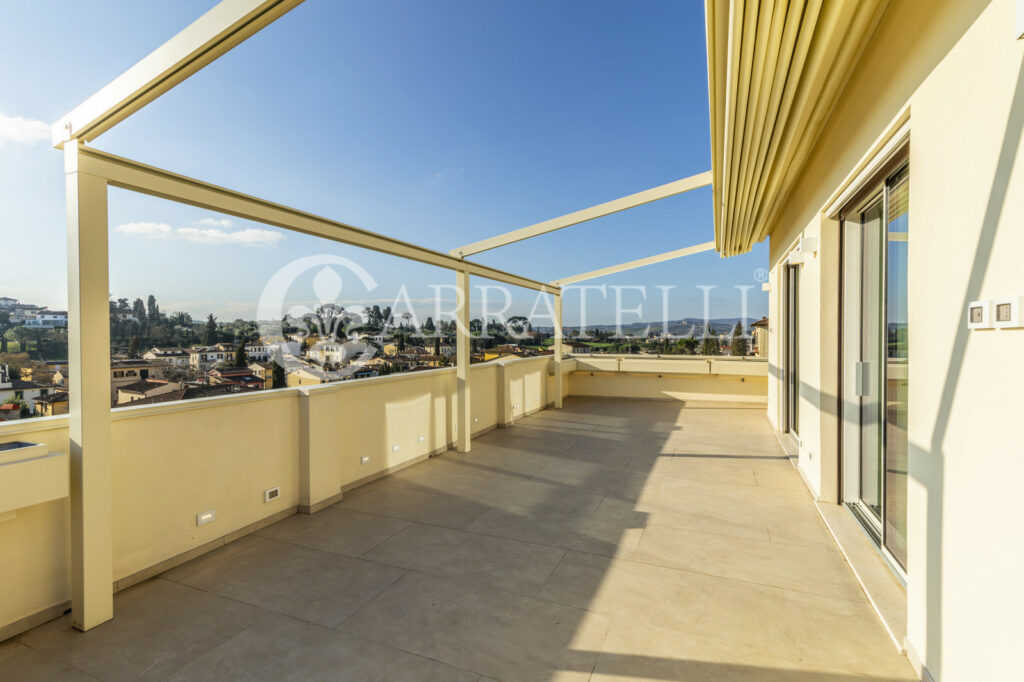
(650, 260)
(607, 208)
(227, 24)
(138, 177)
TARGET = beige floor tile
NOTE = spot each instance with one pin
(609, 533)
(282, 648)
(634, 650)
(818, 569)
(481, 559)
(612, 480)
(681, 601)
(158, 627)
(24, 664)
(505, 636)
(309, 584)
(409, 503)
(335, 530)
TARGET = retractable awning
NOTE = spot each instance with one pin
(776, 70)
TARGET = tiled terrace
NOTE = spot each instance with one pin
(609, 540)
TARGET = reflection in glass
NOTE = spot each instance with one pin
(871, 353)
(896, 375)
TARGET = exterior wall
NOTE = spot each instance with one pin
(673, 377)
(954, 69)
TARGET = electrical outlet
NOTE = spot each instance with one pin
(271, 494)
(476, 419)
(394, 448)
(421, 439)
(365, 459)
(205, 517)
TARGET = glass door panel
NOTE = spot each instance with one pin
(896, 375)
(870, 369)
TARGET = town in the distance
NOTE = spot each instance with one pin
(161, 357)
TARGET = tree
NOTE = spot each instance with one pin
(428, 327)
(709, 346)
(152, 314)
(739, 340)
(241, 357)
(5, 323)
(139, 310)
(210, 331)
(437, 345)
(15, 363)
(401, 342)
(133, 347)
(278, 379)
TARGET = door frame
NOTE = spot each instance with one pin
(873, 186)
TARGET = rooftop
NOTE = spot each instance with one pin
(141, 386)
(610, 539)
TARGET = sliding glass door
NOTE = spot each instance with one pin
(874, 349)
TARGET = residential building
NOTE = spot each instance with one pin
(258, 351)
(146, 388)
(202, 358)
(124, 372)
(759, 334)
(301, 376)
(6, 302)
(891, 207)
(51, 404)
(47, 319)
(20, 313)
(578, 347)
(189, 393)
(12, 390)
(263, 370)
(241, 376)
(10, 412)
(175, 357)
(338, 353)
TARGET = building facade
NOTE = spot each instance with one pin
(897, 270)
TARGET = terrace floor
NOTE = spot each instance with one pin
(609, 540)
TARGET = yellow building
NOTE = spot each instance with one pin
(51, 404)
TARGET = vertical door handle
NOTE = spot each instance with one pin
(862, 378)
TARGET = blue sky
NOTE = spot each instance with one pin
(433, 121)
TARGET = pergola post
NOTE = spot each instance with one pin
(463, 416)
(92, 598)
(558, 350)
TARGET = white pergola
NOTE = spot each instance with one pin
(89, 172)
